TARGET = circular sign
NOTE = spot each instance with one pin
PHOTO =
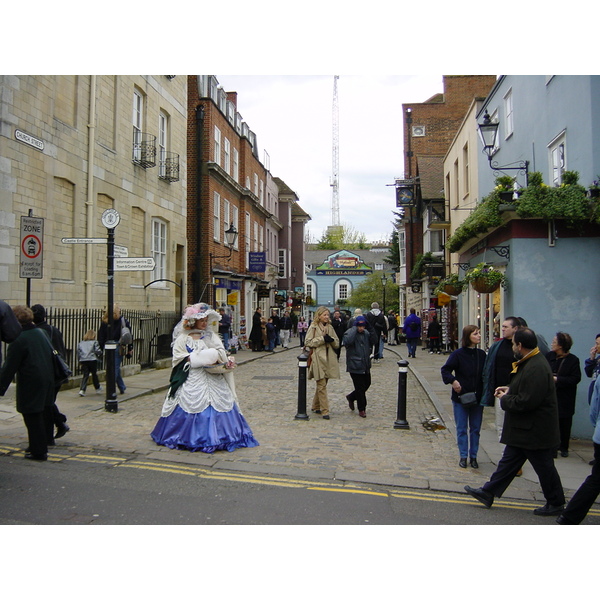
(110, 218)
(31, 246)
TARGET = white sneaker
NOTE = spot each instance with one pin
(81, 393)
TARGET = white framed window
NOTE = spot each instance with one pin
(310, 289)
(508, 114)
(159, 249)
(247, 182)
(261, 192)
(379, 266)
(343, 289)
(256, 185)
(217, 154)
(163, 133)
(226, 216)
(282, 262)
(227, 156)
(261, 238)
(138, 122)
(217, 217)
(236, 165)
(465, 153)
(402, 247)
(234, 220)
(255, 237)
(247, 237)
(558, 157)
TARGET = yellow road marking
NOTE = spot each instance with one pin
(348, 491)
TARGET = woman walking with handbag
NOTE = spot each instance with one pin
(464, 371)
(321, 337)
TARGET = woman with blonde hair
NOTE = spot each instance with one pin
(323, 342)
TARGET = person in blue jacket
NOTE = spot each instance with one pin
(412, 331)
(464, 371)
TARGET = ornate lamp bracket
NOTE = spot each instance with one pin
(502, 251)
(463, 266)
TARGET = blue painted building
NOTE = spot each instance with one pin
(553, 270)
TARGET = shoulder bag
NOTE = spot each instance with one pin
(470, 398)
(126, 337)
(62, 371)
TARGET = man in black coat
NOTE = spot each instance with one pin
(56, 338)
(339, 326)
(530, 429)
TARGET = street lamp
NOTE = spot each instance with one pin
(488, 133)
(384, 280)
(230, 239)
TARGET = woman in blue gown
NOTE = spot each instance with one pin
(201, 412)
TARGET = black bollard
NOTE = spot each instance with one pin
(401, 422)
(302, 375)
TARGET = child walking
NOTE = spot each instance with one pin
(89, 352)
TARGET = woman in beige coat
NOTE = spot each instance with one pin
(323, 341)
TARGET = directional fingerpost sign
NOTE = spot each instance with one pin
(134, 264)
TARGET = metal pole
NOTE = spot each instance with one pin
(302, 371)
(111, 403)
(401, 422)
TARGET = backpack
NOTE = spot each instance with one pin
(414, 326)
(126, 337)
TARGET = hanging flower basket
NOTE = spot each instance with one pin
(482, 286)
(452, 290)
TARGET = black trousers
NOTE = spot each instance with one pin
(564, 426)
(89, 367)
(362, 382)
(542, 462)
(586, 495)
(36, 432)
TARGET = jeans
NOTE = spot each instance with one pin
(302, 336)
(225, 337)
(411, 345)
(271, 345)
(118, 378)
(468, 426)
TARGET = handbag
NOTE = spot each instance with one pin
(126, 337)
(468, 399)
(308, 351)
(62, 371)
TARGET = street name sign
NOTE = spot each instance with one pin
(145, 263)
(83, 240)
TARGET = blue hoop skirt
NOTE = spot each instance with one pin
(203, 415)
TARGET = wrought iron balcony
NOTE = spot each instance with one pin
(144, 149)
(168, 166)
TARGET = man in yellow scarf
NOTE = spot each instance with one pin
(530, 429)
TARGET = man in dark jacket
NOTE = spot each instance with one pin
(339, 326)
(530, 429)
(378, 322)
(358, 342)
(10, 328)
(56, 339)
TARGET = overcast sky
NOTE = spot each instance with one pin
(292, 117)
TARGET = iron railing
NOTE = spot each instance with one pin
(152, 331)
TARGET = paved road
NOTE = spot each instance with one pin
(345, 448)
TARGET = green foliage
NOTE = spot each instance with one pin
(505, 183)
(486, 272)
(452, 279)
(371, 290)
(418, 270)
(343, 237)
(569, 201)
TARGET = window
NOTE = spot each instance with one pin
(217, 156)
(256, 185)
(163, 124)
(261, 195)
(558, 158)
(508, 112)
(226, 156)
(255, 237)
(282, 263)
(342, 289)
(261, 238)
(247, 237)
(226, 216)
(138, 120)
(217, 217)
(379, 266)
(159, 248)
(236, 165)
(402, 247)
(309, 290)
(234, 220)
(465, 153)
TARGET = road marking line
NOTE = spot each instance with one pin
(348, 491)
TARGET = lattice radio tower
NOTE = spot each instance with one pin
(335, 181)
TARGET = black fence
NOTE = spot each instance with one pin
(152, 332)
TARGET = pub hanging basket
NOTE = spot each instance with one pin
(482, 286)
(452, 290)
